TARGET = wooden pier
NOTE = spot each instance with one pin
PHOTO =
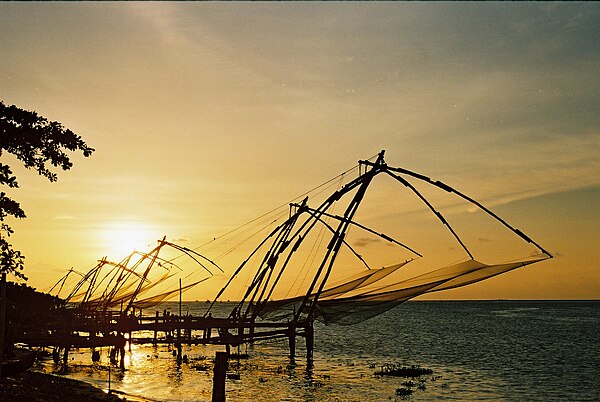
(116, 331)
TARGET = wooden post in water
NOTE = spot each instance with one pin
(292, 340)
(155, 327)
(178, 344)
(188, 320)
(132, 321)
(179, 318)
(309, 332)
(220, 371)
(66, 356)
(121, 347)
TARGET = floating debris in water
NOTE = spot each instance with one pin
(200, 357)
(202, 367)
(404, 392)
(397, 370)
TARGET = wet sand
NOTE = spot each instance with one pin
(35, 386)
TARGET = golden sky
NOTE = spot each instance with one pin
(206, 115)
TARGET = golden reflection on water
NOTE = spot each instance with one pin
(153, 372)
(477, 350)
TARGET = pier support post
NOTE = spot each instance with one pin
(309, 332)
(122, 358)
(220, 371)
(179, 353)
(121, 348)
(66, 356)
(292, 340)
(155, 327)
(56, 354)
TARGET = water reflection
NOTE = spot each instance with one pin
(477, 351)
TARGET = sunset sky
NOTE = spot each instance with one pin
(206, 115)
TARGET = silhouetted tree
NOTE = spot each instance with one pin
(39, 144)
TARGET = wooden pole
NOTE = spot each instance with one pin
(178, 345)
(66, 356)
(179, 320)
(310, 341)
(155, 326)
(220, 371)
(292, 340)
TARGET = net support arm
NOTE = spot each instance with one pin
(382, 235)
(450, 189)
(431, 207)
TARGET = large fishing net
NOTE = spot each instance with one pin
(293, 267)
(354, 255)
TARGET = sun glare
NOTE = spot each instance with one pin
(119, 239)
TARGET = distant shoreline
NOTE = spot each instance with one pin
(505, 300)
(420, 300)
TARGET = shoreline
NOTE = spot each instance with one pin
(37, 386)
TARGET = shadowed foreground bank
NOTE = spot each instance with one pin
(33, 386)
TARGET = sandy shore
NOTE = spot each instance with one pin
(35, 386)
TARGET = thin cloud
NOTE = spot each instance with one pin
(365, 241)
(63, 218)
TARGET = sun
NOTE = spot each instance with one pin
(119, 239)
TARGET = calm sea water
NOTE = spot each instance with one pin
(478, 350)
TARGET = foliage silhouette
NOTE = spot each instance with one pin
(40, 144)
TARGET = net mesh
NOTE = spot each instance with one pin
(336, 306)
